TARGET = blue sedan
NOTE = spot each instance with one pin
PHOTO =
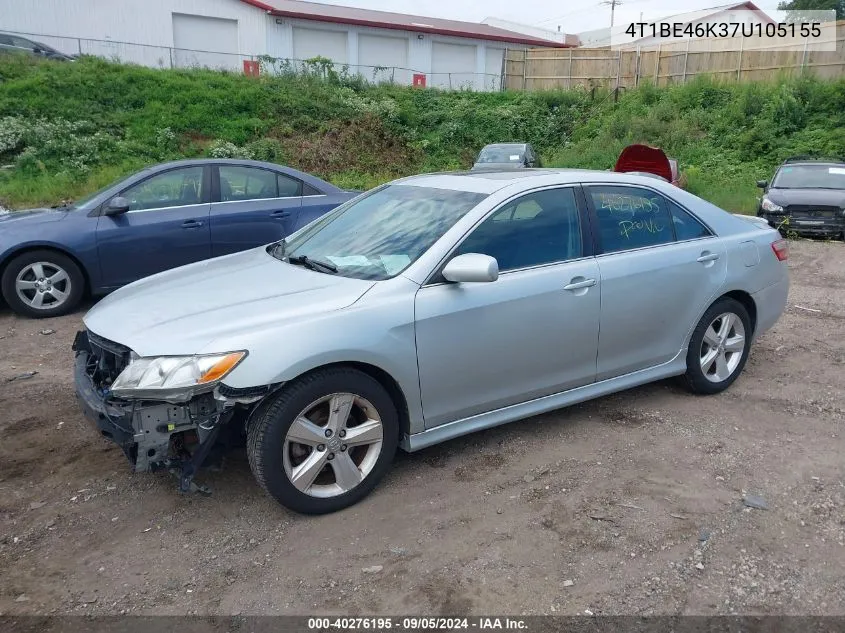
(162, 217)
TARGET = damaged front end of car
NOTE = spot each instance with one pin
(165, 413)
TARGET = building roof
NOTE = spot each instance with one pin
(603, 37)
(398, 21)
(697, 16)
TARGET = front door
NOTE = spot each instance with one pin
(660, 269)
(166, 226)
(531, 333)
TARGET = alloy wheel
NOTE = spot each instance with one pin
(722, 347)
(332, 445)
(43, 285)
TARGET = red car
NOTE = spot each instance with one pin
(650, 161)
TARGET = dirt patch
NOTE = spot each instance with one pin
(338, 149)
(636, 498)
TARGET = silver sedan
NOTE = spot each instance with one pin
(425, 309)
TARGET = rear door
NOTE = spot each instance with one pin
(253, 206)
(660, 268)
(166, 226)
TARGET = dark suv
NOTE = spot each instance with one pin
(806, 196)
(17, 44)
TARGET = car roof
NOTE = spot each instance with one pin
(813, 162)
(301, 175)
(490, 181)
(505, 145)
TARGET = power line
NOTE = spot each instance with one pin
(566, 15)
(613, 4)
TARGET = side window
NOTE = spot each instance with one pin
(173, 188)
(289, 187)
(308, 190)
(630, 217)
(22, 43)
(686, 226)
(246, 183)
(538, 228)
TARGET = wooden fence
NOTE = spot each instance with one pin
(733, 59)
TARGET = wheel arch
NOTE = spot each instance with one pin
(747, 302)
(390, 384)
(28, 248)
(384, 378)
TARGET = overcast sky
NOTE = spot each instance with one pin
(572, 16)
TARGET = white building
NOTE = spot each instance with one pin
(737, 13)
(223, 33)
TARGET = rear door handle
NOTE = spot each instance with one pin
(280, 215)
(577, 285)
(191, 224)
(706, 256)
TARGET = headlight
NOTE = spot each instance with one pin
(768, 205)
(174, 377)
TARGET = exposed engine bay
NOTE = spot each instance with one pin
(155, 435)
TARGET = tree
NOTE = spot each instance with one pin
(813, 5)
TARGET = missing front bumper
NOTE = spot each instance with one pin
(153, 435)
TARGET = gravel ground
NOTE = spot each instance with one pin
(631, 504)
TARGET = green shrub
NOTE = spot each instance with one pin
(66, 129)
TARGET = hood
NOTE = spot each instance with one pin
(194, 308)
(821, 197)
(29, 217)
(644, 158)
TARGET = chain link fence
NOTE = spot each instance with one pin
(171, 57)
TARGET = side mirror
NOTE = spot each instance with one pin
(117, 205)
(472, 267)
(762, 184)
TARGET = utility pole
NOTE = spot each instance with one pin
(613, 4)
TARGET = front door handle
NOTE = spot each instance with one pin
(280, 215)
(707, 256)
(578, 285)
(191, 224)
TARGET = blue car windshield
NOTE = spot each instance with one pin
(85, 202)
(378, 236)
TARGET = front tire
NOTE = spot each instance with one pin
(42, 284)
(719, 347)
(325, 441)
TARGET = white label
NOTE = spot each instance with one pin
(353, 260)
(837, 170)
(394, 263)
(514, 156)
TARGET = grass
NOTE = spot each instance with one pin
(67, 129)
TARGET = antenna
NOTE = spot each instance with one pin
(613, 4)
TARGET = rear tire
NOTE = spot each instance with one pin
(42, 283)
(325, 441)
(719, 347)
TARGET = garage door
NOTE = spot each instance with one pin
(452, 65)
(193, 34)
(309, 43)
(493, 68)
(389, 52)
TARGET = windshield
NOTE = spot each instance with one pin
(506, 154)
(810, 177)
(378, 236)
(85, 201)
(47, 49)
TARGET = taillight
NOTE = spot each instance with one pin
(781, 250)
